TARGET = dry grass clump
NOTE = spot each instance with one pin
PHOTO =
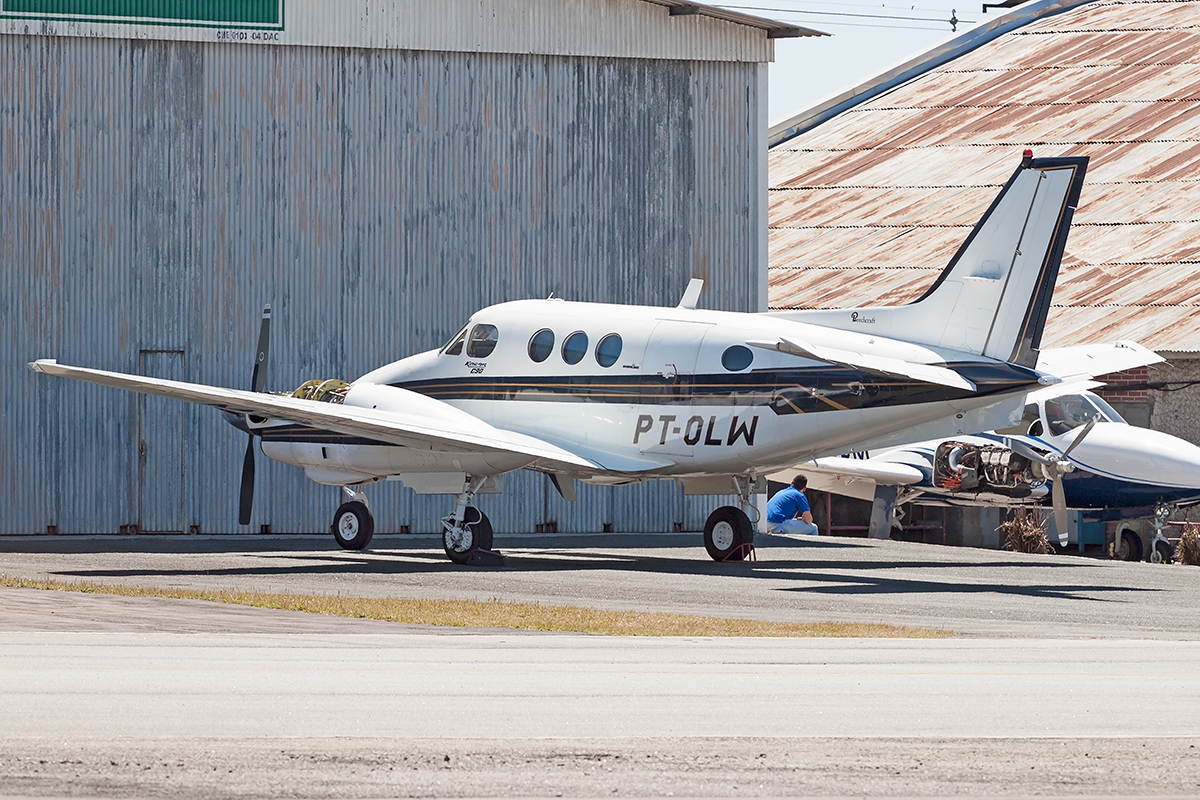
(1026, 533)
(497, 614)
(1188, 549)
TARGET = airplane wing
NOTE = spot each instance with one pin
(879, 365)
(452, 430)
(852, 477)
(1090, 360)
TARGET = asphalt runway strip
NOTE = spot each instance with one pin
(674, 767)
(498, 614)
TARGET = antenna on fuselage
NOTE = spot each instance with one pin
(691, 295)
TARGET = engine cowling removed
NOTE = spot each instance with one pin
(967, 467)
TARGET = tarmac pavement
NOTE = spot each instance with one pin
(1070, 676)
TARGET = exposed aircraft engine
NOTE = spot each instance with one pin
(960, 466)
(329, 391)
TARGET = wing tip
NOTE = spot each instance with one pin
(41, 364)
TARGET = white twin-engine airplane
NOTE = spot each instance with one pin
(615, 394)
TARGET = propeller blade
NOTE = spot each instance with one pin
(1022, 449)
(247, 499)
(258, 383)
(258, 380)
(1082, 434)
(1060, 512)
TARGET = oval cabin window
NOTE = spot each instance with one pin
(608, 350)
(575, 347)
(737, 358)
(541, 345)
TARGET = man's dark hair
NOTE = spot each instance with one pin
(800, 482)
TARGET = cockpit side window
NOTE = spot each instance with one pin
(455, 345)
(1070, 411)
(483, 341)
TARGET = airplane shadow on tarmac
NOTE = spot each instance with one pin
(840, 576)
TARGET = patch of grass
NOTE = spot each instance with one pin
(497, 614)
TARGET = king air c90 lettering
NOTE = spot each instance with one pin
(695, 430)
(551, 386)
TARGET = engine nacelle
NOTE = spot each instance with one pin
(967, 467)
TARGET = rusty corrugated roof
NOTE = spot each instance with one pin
(869, 206)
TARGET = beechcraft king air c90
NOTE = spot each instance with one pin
(615, 394)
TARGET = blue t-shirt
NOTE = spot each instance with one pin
(787, 504)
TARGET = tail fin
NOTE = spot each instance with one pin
(993, 297)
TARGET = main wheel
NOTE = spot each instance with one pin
(353, 526)
(725, 531)
(1164, 553)
(1128, 547)
(476, 535)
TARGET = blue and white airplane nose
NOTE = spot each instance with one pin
(1156, 466)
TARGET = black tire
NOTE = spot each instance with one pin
(353, 526)
(1164, 553)
(480, 528)
(1128, 547)
(725, 531)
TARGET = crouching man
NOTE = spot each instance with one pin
(788, 511)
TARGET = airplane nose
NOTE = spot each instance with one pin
(1139, 454)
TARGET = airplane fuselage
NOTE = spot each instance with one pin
(663, 392)
(1117, 466)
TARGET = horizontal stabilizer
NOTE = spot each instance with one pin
(1092, 360)
(876, 365)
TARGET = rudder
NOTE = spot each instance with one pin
(993, 297)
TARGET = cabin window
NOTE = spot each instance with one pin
(608, 350)
(737, 358)
(483, 341)
(575, 347)
(541, 345)
(454, 346)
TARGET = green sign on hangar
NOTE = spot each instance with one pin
(264, 14)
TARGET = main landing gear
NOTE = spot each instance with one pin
(729, 531)
(467, 530)
(353, 526)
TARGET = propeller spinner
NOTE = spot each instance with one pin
(258, 383)
(1054, 467)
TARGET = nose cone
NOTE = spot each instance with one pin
(1128, 453)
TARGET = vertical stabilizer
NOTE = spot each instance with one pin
(993, 297)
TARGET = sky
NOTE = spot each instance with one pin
(867, 38)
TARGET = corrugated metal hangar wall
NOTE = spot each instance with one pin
(158, 185)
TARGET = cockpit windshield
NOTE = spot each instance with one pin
(1108, 411)
(1072, 410)
(455, 345)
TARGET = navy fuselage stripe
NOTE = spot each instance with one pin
(784, 391)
